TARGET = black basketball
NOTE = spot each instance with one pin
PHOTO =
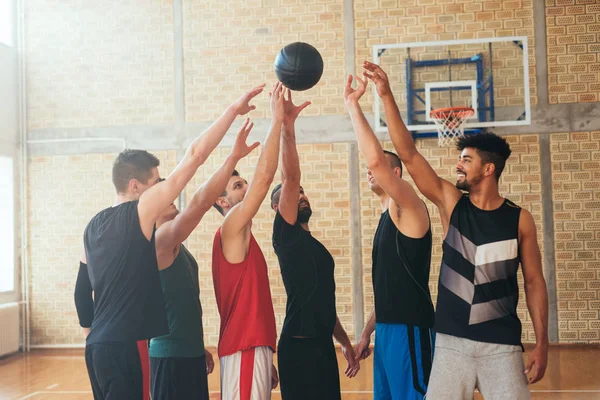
(299, 66)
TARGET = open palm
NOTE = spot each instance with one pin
(240, 148)
(351, 94)
(291, 110)
(379, 78)
(242, 105)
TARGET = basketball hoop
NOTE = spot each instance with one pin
(450, 123)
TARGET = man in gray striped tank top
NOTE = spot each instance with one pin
(486, 237)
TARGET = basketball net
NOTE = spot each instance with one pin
(450, 123)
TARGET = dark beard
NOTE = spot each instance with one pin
(304, 215)
(464, 185)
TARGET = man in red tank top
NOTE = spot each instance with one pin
(248, 335)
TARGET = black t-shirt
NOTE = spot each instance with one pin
(123, 270)
(307, 270)
(401, 276)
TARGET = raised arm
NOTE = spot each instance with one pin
(242, 213)
(441, 192)
(154, 200)
(290, 171)
(400, 191)
(536, 295)
(176, 231)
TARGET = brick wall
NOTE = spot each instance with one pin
(64, 193)
(325, 179)
(520, 182)
(111, 64)
(573, 29)
(99, 63)
(231, 46)
(576, 198)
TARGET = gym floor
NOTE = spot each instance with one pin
(61, 375)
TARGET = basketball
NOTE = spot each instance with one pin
(299, 66)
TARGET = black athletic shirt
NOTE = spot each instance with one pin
(84, 302)
(307, 270)
(122, 266)
(478, 291)
(399, 297)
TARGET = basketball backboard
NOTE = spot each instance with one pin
(489, 75)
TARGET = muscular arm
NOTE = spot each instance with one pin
(174, 232)
(441, 192)
(415, 221)
(290, 171)
(536, 293)
(156, 199)
(290, 176)
(241, 214)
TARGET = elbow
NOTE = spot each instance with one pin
(376, 164)
(197, 156)
(536, 285)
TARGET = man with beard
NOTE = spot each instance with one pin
(307, 359)
(403, 314)
(247, 336)
(485, 238)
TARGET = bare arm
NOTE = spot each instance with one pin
(340, 335)
(241, 214)
(416, 222)
(362, 348)
(156, 199)
(441, 192)
(290, 172)
(535, 293)
(174, 232)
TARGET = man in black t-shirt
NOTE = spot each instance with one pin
(120, 260)
(307, 360)
(403, 314)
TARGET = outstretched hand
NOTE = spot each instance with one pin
(379, 78)
(242, 105)
(277, 106)
(353, 95)
(240, 148)
(291, 110)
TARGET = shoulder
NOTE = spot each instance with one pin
(511, 204)
(526, 223)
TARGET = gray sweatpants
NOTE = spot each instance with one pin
(461, 365)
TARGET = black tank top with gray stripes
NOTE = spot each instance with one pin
(478, 291)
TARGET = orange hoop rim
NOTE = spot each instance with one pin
(444, 112)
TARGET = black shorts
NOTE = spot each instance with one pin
(308, 369)
(115, 370)
(178, 378)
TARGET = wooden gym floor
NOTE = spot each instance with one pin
(573, 373)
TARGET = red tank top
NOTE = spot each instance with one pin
(244, 300)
